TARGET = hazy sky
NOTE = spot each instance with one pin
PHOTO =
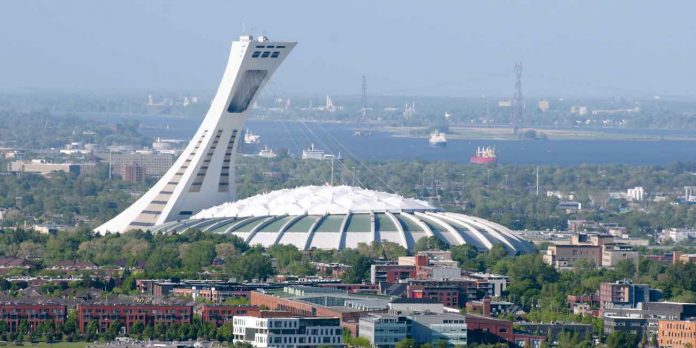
(450, 48)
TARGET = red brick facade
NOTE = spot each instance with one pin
(127, 315)
(349, 318)
(33, 314)
(219, 314)
(451, 293)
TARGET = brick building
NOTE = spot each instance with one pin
(625, 294)
(34, 314)
(127, 314)
(301, 306)
(219, 314)
(676, 333)
(487, 330)
(450, 292)
(391, 273)
(353, 288)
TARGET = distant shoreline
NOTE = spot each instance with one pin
(459, 132)
(506, 133)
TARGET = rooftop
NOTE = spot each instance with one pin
(316, 200)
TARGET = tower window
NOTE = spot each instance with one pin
(256, 54)
(275, 54)
(246, 89)
(265, 54)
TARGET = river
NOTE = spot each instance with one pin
(335, 138)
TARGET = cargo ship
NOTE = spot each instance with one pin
(438, 139)
(484, 155)
(267, 153)
(251, 138)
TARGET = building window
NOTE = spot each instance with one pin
(256, 54)
(265, 54)
(275, 54)
(246, 90)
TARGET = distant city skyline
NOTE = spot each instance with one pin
(455, 49)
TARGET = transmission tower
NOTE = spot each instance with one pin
(363, 96)
(517, 99)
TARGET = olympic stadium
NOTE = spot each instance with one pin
(325, 217)
(337, 217)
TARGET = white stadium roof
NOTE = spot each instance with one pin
(316, 200)
(337, 217)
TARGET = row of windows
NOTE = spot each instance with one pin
(313, 339)
(265, 54)
(271, 46)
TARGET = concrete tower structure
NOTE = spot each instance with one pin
(203, 176)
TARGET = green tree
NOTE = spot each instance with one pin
(251, 265)
(619, 339)
(162, 259)
(406, 343)
(429, 243)
(197, 255)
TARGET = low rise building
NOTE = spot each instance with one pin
(645, 317)
(127, 314)
(552, 331)
(677, 235)
(487, 330)
(284, 332)
(153, 164)
(563, 256)
(625, 294)
(488, 307)
(613, 254)
(349, 308)
(12, 314)
(676, 333)
(384, 330)
(434, 328)
(592, 249)
(679, 257)
(353, 288)
(450, 292)
(220, 314)
(46, 169)
(391, 274)
(415, 305)
(498, 282)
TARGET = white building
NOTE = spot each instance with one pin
(383, 330)
(500, 282)
(636, 194)
(415, 305)
(678, 235)
(288, 332)
(432, 328)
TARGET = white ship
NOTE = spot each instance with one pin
(267, 153)
(251, 138)
(438, 139)
(313, 153)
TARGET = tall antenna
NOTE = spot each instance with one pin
(517, 99)
(363, 96)
(110, 165)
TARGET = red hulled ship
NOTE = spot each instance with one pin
(484, 155)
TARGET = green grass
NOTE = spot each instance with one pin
(51, 345)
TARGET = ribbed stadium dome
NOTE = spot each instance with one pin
(337, 217)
